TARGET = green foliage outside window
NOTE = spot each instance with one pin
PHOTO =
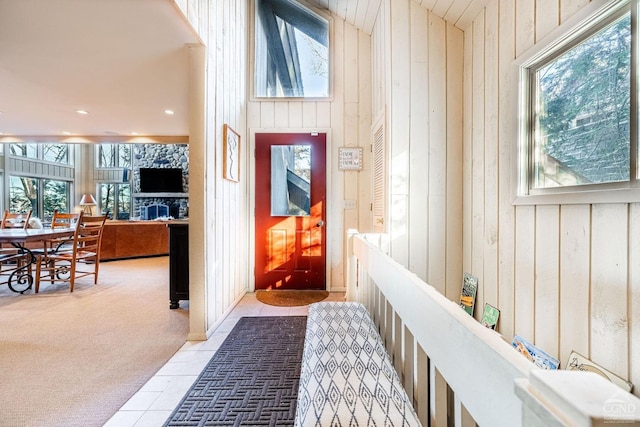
(582, 111)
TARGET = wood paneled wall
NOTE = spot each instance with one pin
(417, 75)
(222, 28)
(346, 118)
(565, 276)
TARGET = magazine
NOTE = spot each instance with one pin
(539, 357)
(578, 362)
(490, 316)
(468, 296)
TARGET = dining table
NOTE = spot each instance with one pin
(22, 258)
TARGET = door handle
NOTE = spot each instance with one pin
(320, 223)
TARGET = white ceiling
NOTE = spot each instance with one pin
(123, 61)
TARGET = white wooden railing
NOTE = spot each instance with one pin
(460, 373)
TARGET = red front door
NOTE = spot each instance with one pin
(290, 210)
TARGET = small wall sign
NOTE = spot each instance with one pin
(350, 158)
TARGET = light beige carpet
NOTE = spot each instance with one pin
(72, 359)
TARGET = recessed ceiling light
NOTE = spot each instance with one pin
(135, 133)
(83, 112)
(169, 112)
(66, 133)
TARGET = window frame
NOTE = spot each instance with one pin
(587, 22)
(40, 188)
(116, 148)
(117, 209)
(39, 149)
(251, 75)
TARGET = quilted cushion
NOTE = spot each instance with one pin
(347, 378)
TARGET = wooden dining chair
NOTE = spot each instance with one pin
(15, 220)
(59, 220)
(80, 259)
(10, 256)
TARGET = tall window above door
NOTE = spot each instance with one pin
(291, 51)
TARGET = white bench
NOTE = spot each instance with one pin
(347, 377)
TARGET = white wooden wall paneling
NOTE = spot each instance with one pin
(399, 129)
(193, 15)
(294, 111)
(547, 17)
(506, 213)
(437, 157)
(310, 113)
(360, 14)
(575, 236)
(427, 4)
(441, 7)
(338, 128)
(467, 144)
(456, 12)
(351, 125)
(454, 154)
(365, 118)
(323, 114)
(350, 14)
(609, 289)
(525, 25)
(490, 269)
(634, 295)
(267, 114)
(569, 7)
(524, 300)
(547, 292)
(281, 113)
(254, 110)
(372, 12)
(420, 139)
(229, 189)
(478, 161)
(350, 63)
(216, 298)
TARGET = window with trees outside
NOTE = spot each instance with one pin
(55, 153)
(113, 155)
(115, 200)
(577, 133)
(291, 50)
(24, 192)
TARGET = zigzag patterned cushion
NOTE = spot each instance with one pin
(347, 378)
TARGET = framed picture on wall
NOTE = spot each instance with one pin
(231, 153)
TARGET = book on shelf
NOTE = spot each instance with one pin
(469, 290)
(578, 362)
(490, 316)
(535, 354)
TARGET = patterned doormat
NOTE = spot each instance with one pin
(252, 380)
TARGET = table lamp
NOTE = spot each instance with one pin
(87, 202)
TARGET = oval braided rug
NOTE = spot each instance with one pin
(291, 298)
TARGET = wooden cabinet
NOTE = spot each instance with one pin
(134, 239)
(178, 263)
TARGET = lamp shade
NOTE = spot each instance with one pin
(87, 200)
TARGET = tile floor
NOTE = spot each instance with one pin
(157, 399)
